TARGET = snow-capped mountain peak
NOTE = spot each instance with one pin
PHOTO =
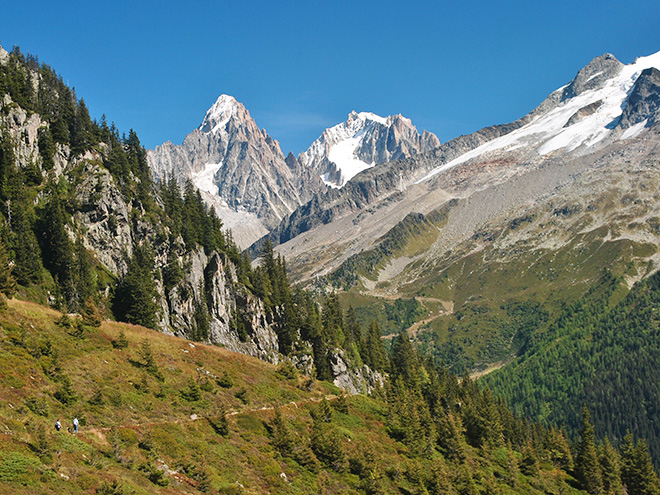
(361, 142)
(591, 109)
(220, 113)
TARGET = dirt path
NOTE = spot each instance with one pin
(100, 432)
(490, 369)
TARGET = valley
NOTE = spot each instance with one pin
(225, 318)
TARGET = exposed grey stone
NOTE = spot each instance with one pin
(351, 378)
(584, 112)
(593, 75)
(643, 101)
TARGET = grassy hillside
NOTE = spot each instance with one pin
(160, 414)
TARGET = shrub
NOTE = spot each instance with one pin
(287, 370)
(121, 342)
(225, 381)
(38, 405)
(192, 392)
(65, 393)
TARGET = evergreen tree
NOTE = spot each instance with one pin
(135, 298)
(587, 465)
(327, 444)
(282, 438)
(611, 468)
(57, 248)
(404, 362)
(333, 320)
(23, 242)
(46, 148)
(637, 473)
(374, 354)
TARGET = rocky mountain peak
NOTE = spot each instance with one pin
(593, 76)
(239, 169)
(363, 141)
(221, 112)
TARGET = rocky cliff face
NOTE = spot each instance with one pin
(239, 168)
(643, 104)
(363, 141)
(102, 219)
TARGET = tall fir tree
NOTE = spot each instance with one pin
(135, 298)
(374, 354)
(587, 465)
(637, 473)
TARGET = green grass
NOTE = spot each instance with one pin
(138, 423)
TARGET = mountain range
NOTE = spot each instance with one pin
(527, 216)
(520, 251)
(242, 172)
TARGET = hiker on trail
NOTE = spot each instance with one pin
(75, 425)
(58, 425)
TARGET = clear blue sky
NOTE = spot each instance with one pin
(299, 67)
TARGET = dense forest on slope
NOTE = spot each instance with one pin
(159, 414)
(602, 351)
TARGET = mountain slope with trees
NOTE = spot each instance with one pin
(602, 351)
(87, 230)
(159, 414)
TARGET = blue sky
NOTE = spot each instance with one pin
(299, 67)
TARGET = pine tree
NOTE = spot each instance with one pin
(404, 362)
(327, 444)
(121, 342)
(23, 242)
(282, 438)
(323, 412)
(147, 357)
(135, 298)
(637, 473)
(57, 248)
(611, 468)
(374, 354)
(587, 465)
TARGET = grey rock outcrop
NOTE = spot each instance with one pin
(584, 112)
(353, 379)
(644, 100)
(104, 216)
(210, 283)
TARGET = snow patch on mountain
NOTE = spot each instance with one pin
(204, 180)
(363, 141)
(549, 132)
(343, 155)
(634, 130)
(340, 145)
(220, 113)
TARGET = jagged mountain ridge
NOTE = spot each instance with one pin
(361, 142)
(239, 169)
(243, 174)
